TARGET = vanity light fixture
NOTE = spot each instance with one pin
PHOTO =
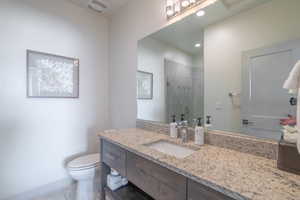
(177, 7)
(169, 8)
(185, 3)
(200, 13)
(197, 45)
(170, 3)
(170, 11)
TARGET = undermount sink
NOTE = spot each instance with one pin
(171, 148)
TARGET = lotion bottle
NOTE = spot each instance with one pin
(199, 133)
(173, 128)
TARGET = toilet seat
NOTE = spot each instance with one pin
(84, 162)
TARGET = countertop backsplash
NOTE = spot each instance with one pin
(234, 141)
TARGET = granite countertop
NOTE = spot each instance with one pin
(238, 175)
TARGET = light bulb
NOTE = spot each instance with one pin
(170, 11)
(185, 3)
(192, 1)
(197, 45)
(170, 2)
(177, 7)
(200, 13)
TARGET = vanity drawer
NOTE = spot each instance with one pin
(157, 181)
(197, 191)
(114, 157)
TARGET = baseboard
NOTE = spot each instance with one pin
(43, 190)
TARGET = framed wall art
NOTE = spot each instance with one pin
(144, 85)
(52, 76)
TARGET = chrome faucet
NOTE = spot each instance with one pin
(183, 129)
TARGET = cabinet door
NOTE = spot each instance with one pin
(157, 181)
(138, 173)
(168, 193)
(114, 157)
(197, 191)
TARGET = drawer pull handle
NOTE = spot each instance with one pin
(142, 171)
(110, 156)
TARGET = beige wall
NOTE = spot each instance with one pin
(151, 56)
(37, 135)
(224, 43)
(133, 22)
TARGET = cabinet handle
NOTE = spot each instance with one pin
(110, 156)
(142, 171)
(293, 101)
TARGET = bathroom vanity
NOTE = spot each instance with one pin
(227, 66)
(210, 172)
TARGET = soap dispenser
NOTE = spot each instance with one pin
(208, 123)
(199, 133)
(173, 128)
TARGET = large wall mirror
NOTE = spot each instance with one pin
(228, 61)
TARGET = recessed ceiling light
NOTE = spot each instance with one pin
(197, 45)
(200, 13)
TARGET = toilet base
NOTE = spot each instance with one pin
(85, 171)
(85, 190)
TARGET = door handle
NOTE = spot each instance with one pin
(246, 122)
(293, 101)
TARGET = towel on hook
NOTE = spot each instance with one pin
(290, 137)
(293, 84)
(293, 81)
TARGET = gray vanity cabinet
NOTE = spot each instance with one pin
(198, 191)
(159, 182)
(114, 156)
(140, 176)
(155, 180)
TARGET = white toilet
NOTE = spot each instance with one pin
(84, 170)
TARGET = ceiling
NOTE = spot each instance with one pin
(186, 33)
(113, 5)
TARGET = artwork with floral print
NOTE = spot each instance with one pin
(52, 76)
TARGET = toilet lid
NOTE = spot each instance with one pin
(85, 161)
